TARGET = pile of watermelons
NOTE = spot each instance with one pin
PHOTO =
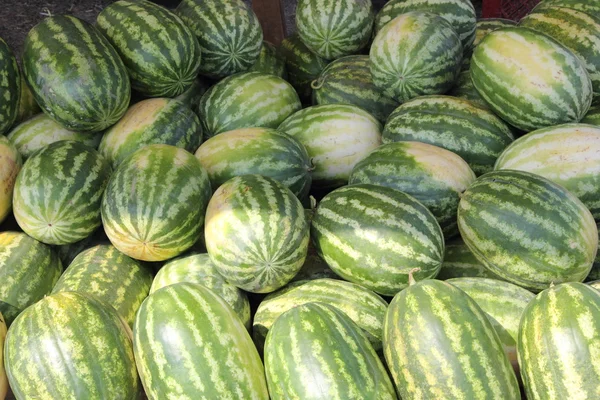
(399, 204)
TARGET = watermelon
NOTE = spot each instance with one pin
(153, 207)
(593, 116)
(110, 276)
(270, 61)
(9, 169)
(200, 351)
(3, 379)
(197, 268)
(37, 132)
(256, 233)
(348, 81)
(247, 100)
(336, 136)
(61, 205)
(434, 176)
(459, 13)
(459, 262)
(483, 27)
(27, 104)
(152, 121)
(318, 23)
(415, 54)
(75, 75)
(592, 7)
(464, 89)
(229, 34)
(559, 338)
(374, 235)
(529, 79)
(69, 346)
(192, 96)
(527, 229)
(28, 271)
(10, 86)
(568, 155)
(439, 344)
(475, 134)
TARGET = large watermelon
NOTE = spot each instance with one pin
(247, 100)
(10, 86)
(375, 235)
(592, 7)
(229, 34)
(527, 229)
(460, 262)
(559, 338)
(256, 233)
(3, 379)
(415, 54)
(315, 351)
(270, 61)
(439, 344)
(28, 107)
(76, 76)
(475, 134)
(71, 346)
(10, 165)
(529, 79)
(58, 192)
(336, 136)
(154, 205)
(189, 344)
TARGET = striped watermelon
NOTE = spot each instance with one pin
(200, 351)
(247, 100)
(374, 235)
(464, 89)
(28, 107)
(415, 54)
(568, 155)
(270, 61)
(33, 134)
(9, 169)
(3, 379)
(229, 34)
(439, 344)
(261, 151)
(530, 80)
(319, 21)
(348, 81)
(197, 268)
(592, 7)
(192, 96)
(75, 75)
(475, 134)
(459, 262)
(61, 204)
(527, 230)
(593, 116)
(559, 338)
(315, 351)
(70, 346)
(10, 86)
(256, 233)
(363, 306)
(110, 276)
(161, 53)
(336, 136)
(434, 176)
(153, 207)
(152, 121)
(28, 271)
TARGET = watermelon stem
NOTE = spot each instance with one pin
(411, 278)
(316, 84)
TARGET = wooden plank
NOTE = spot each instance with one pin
(492, 9)
(270, 15)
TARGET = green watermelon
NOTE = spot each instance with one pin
(28, 271)
(153, 207)
(3, 379)
(459, 262)
(348, 81)
(110, 276)
(488, 25)
(256, 233)
(37, 132)
(192, 96)
(70, 346)
(28, 107)
(475, 134)
(592, 7)
(75, 75)
(593, 116)
(439, 344)
(229, 34)
(464, 89)
(270, 61)
(434, 176)
(336, 136)
(315, 351)
(527, 229)
(200, 351)
(248, 100)
(559, 338)
(375, 235)
(530, 80)
(10, 86)
(58, 192)
(197, 268)
(10, 166)
(415, 54)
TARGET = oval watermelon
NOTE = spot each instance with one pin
(10, 86)
(9, 169)
(592, 7)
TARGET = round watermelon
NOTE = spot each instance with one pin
(10, 86)
(9, 169)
